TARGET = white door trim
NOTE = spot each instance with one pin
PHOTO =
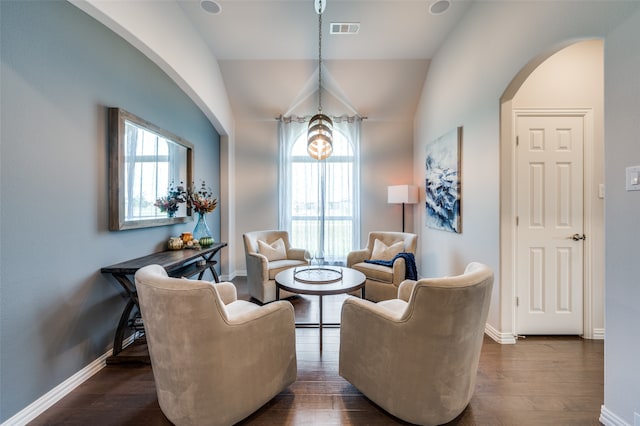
(508, 213)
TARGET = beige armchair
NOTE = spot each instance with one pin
(383, 281)
(417, 356)
(264, 261)
(215, 359)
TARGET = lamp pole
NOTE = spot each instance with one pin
(402, 194)
(402, 217)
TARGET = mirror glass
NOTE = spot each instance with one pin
(150, 169)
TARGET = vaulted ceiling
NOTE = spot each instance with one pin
(268, 51)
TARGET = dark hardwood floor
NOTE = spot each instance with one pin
(538, 381)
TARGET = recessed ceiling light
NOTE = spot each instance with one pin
(439, 7)
(210, 6)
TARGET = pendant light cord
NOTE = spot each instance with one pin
(320, 56)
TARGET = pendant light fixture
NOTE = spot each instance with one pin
(320, 132)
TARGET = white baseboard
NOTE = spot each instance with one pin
(608, 418)
(502, 338)
(228, 277)
(47, 400)
(597, 334)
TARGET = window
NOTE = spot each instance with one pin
(319, 199)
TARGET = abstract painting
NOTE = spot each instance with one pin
(442, 182)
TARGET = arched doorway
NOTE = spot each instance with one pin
(565, 82)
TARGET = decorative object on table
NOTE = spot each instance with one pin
(202, 202)
(186, 237)
(175, 243)
(206, 241)
(170, 204)
(317, 275)
(402, 194)
(192, 244)
(442, 182)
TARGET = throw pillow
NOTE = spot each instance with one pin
(274, 251)
(383, 252)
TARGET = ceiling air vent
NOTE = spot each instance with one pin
(345, 27)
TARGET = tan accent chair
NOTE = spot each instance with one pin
(417, 356)
(382, 281)
(215, 359)
(261, 273)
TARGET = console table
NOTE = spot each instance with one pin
(177, 263)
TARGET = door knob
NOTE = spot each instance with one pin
(578, 237)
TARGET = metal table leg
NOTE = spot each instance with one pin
(320, 326)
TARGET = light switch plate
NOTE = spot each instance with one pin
(632, 178)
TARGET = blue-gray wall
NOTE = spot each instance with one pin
(622, 228)
(60, 70)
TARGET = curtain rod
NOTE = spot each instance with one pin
(306, 118)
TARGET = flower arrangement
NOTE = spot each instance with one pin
(201, 199)
(175, 196)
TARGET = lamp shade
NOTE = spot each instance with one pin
(402, 194)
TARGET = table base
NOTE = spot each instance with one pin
(320, 324)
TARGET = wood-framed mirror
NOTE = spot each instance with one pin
(148, 169)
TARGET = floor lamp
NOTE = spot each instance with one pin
(402, 194)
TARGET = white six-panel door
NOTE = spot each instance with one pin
(549, 224)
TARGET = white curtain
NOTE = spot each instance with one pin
(320, 200)
(289, 130)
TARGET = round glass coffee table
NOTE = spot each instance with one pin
(320, 281)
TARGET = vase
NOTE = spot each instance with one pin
(171, 213)
(201, 232)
